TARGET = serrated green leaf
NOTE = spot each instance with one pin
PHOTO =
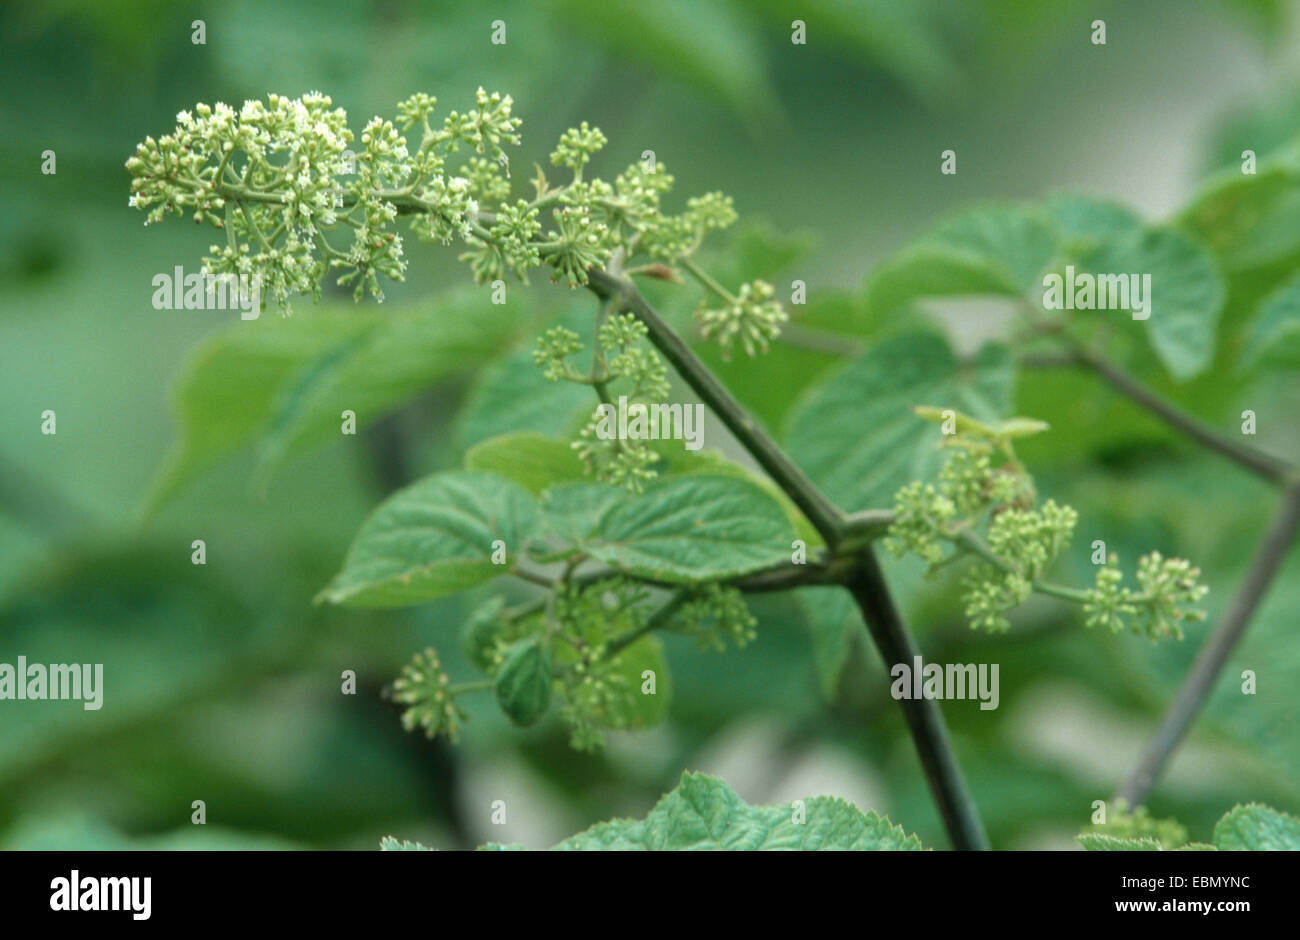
(393, 844)
(1187, 293)
(704, 814)
(701, 527)
(523, 683)
(932, 271)
(571, 511)
(532, 460)
(1017, 241)
(994, 249)
(678, 461)
(432, 539)
(1099, 842)
(857, 436)
(1258, 828)
(1274, 334)
(571, 506)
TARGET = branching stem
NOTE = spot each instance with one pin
(863, 578)
(1214, 653)
(1256, 461)
(1200, 679)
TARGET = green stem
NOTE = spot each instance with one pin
(653, 623)
(924, 719)
(970, 541)
(822, 341)
(825, 518)
(254, 228)
(1213, 655)
(477, 685)
(1262, 464)
(707, 280)
(532, 577)
(864, 579)
(783, 577)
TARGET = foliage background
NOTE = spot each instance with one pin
(222, 681)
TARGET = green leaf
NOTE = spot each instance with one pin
(1016, 428)
(624, 706)
(571, 511)
(836, 628)
(1187, 293)
(283, 383)
(710, 47)
(907, 40)
(225, 398)
(932, 271)
(837, 316)
(678, 461)
(392, 844)
(1085, 222)
(856, 434)
(513, 395)
(523, 683)
(703, 813)
(1257, 828)
(1249, 220)
(963, 424)
(571, 506)
(532, 460)
(1098, 842)
(1016, 241)
(478, 637)
(432, 539)
(995, 249)
(1274, 335)
(701, 527)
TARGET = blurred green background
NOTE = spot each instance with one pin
(222, 681)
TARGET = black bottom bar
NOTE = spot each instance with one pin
(371, 889)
